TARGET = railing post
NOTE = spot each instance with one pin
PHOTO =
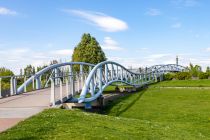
(81, 76)
(117, 73)
(112, 72)
(126, 76)
(25, 89)
(15, 85)
(106, 73)
(61, 90)
(67, 88)
(11, 86)
(38, 83)
(33, 83)
(149, 76)
(72, 80)
(56, 75)
(100, 79)
(52, 97)
(121, 74)
(0, 89)
(92, 83)
(78, 82)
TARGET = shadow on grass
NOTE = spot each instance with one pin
(122, 104)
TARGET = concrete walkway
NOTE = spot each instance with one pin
(17, 108)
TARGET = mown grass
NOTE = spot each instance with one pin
(153, 113)
(185, 83)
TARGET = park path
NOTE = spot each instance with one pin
(17, 108)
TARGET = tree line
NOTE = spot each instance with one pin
(194, 72)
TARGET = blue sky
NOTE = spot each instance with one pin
(134, 33)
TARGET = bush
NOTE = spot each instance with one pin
(168, 76)
(183, 76)
(203, 75)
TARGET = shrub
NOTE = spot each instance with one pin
(183, 76)
(168, 76)
(203, 75)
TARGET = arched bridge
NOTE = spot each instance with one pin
(83, 82)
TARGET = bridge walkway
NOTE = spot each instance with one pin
(16, 108)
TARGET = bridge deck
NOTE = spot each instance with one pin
(16, 108)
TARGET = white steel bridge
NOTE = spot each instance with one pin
(63, 82)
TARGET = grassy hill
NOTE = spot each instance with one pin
(154, 113)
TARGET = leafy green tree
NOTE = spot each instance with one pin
(29, 70)
(5, 72)
(88, 50)
(208, 70)
(195, 70)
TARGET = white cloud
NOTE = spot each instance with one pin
(110, 44)
(208, 49)
(157, 56)
(64, 52)
(20, 57)
(176, 25)
(6, 11)
(153, 12)
(105, 22)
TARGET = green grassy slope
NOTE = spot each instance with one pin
(154, 113)
(185, 83)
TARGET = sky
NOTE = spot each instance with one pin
(134, 33)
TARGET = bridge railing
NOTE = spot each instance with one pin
(84, 82)
(105, 73)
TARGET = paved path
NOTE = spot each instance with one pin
(17, 108)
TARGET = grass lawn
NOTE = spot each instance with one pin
(154, 113)
(185, 83)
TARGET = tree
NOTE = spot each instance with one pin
(29, 70)
(208, 70)
(195, 70)
(5, 72)
(88, 50)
